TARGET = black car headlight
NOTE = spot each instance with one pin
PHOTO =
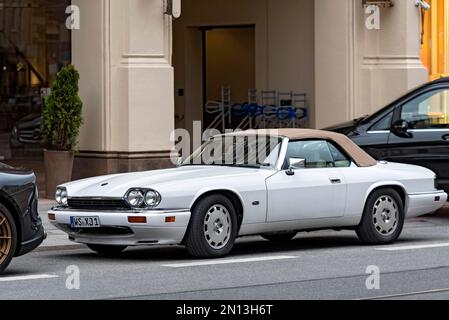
(61, 196)
(143, 198)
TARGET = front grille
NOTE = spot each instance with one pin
(97, 204)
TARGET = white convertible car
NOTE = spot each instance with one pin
(269, 183)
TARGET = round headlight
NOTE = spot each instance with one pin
(64, 197)
(58, 195)
(135, 198)
(152, 198)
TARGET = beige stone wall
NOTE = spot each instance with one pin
(123, 51)
(358, 70)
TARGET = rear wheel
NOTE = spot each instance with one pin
(8, 238)
(213, 228)
(383, 217)
(279, 237)
(105, 250)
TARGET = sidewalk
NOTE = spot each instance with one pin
(56, 239)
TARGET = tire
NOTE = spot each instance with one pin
(383, 218)
(213, 228)
(107, 251)
(8, 238)
(279, 237)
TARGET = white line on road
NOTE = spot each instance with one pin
(415, 247)
(29, 277)
(227, 261)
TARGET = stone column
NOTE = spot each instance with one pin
(358, 70)
(123, 52)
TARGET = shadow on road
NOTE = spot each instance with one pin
(245, 247)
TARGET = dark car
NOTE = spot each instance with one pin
(414, 129)
(27, 131)
(21, 228)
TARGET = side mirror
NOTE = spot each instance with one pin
(295, 163)
(400, 127)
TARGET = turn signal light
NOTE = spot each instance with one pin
(137, 219)
(170, 219)
(52, 217)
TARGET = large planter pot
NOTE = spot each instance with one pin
(58, 169)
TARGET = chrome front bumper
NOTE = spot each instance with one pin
(116, 230)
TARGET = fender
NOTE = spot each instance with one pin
(203, 191)
(387, 184)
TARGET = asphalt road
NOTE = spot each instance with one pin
(323, 265)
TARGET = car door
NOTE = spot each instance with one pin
(316, 191)
(425, 139)
(374, 139)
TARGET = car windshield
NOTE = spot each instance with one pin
(255, 151)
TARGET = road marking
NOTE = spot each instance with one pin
(415, 247)
(227, 261)
(29, 277)
(406, 294)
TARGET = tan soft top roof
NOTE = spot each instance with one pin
(360, 157)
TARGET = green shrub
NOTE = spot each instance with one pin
(62, 116)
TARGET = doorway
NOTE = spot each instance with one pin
(228, 60)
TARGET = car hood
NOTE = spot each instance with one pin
(117, 185)
(31, 121)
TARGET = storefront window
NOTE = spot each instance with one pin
(34, 45)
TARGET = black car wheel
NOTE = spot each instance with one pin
(383, 218)
(8, 238)
(105, 250)
(279, 237)
(213, 228)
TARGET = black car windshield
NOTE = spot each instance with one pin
(253, 151)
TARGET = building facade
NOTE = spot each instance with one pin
(144, 73)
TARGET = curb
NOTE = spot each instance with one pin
(60, 248)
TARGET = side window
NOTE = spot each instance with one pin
(383, 124)
(340, 160)
(315, 152)
(428, 111)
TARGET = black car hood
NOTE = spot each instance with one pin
(4, 168)
(31, 121)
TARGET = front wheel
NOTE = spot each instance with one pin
(8, 238)
(383, 218)
(213, 228)
(107, 251)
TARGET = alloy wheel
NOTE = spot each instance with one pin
(5, 237)
(217, 226)
(385, 215)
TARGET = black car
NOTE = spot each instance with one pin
(27, 131)
(20, 225)
(414, 129)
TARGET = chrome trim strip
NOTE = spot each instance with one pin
(96, 198)
(439, 192)
(378, 131)
(429, 130)
(161, 211)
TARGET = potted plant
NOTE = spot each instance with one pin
(61, 122)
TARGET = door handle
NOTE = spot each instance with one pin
(335, 181)
(446, 137)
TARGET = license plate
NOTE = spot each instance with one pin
(85, 222)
